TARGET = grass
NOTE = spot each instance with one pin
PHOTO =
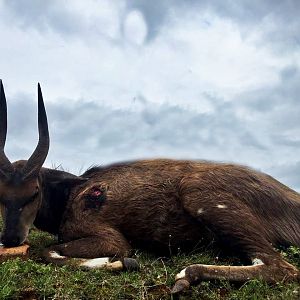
(33, 279)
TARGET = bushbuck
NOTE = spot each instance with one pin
(160, 205)
(29, 193)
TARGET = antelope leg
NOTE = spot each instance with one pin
(279, 270)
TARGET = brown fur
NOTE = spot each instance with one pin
(168, 204)
(162, 198)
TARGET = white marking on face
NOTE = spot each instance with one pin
(221, 206)
(95, 263)
(200, 211)
(257, 261)
(180, 275)
(54, 254)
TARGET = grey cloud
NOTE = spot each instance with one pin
(278, 105)
(289, 73)
(283, 15)
(281, 139)
(43, 15)
(96, 132)
(289, 173)
(154, 12)
(250, 11)
(58, 16)
(274, 122)
(22, 130)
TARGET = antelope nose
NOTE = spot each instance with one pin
(10, 241)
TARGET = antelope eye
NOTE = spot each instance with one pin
(29, 200)
(32, 198)
(35, 194)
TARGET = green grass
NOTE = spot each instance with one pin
(33, 279)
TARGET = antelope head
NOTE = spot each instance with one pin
(20, 182)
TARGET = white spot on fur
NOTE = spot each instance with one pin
(257, 261)
(200, 211)
(180, 275)
(95, 263)
(221, 206)
(54, 254)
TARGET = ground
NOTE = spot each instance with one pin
(34, 279)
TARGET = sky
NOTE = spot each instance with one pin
(126, 80)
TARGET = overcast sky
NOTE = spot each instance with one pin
(122, 80)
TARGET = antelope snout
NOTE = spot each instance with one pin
(11, 240)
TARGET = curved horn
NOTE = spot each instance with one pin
(6, 168)
(39, 155)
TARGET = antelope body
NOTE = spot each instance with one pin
(165, 205)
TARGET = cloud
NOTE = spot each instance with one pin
(135, 28)
(69, 19)
(276, 21)
(41, 15)
(288, 173)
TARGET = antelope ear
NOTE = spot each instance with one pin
(71, 181)
(56, 177)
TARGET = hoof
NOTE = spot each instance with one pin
(130, 264)
(179, 286)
